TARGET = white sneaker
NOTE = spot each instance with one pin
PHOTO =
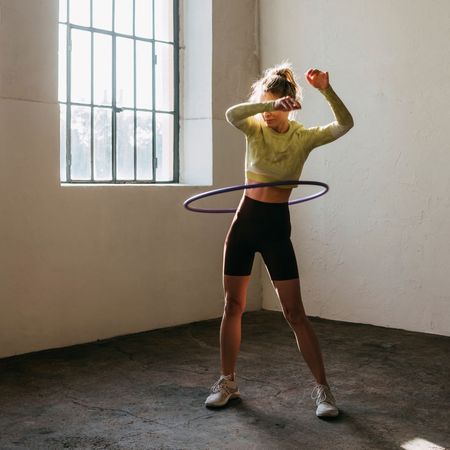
(325, 401)
(222, 390)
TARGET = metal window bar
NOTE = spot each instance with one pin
(154, 62)
(117, 109)
(92, 91)
(134, 96)
(68, 95)
(176, 120)
(113, 95)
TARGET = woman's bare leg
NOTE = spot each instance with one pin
(291, 301)
(235, 289)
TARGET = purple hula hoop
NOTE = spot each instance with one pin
(253, 186)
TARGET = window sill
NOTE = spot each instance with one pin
(136, 184)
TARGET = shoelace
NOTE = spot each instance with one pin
(322, 393)
(220, 384)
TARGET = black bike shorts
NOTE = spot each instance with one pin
(265, 228)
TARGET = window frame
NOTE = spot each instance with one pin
(115, 109)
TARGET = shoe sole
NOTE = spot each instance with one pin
(231, 396)
(330, 414)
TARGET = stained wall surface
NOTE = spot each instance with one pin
(375, 249)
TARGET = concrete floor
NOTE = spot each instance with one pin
(147, 391)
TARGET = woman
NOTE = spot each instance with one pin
(277, 148)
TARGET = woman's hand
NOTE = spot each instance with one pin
(317, 78)
(286, 104)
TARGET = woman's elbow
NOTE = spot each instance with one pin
(351, 123)
(348, 124)
(227, 117)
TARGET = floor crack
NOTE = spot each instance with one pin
(145, 419)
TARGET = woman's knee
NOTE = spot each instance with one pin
(295, 316)
(235, 289)
(234, 305)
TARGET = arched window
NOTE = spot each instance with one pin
(118, 91)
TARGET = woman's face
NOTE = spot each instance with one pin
(274, 119)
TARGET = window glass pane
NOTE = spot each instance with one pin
(80, 12)
(144, 146)
(144, 18)
(81, 66)
(125, 73)
(102, 69)
(164, 147)
(164, 77)
(102, 144)
(144, 74)
(164, 20)
(125, 145)
(124, 16)
(62, 142)
(81, 142)
(102, 14)
(63, 10)
(62, 63)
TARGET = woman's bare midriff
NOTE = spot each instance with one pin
(267, 194)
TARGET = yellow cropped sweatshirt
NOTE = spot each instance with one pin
(273, 156)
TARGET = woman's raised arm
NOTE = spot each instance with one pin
(324, 134)
(344, 121)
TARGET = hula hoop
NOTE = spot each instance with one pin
(253, 186)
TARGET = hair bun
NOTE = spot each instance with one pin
(282, 72)
(285, 71)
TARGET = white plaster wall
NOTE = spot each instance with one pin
(83, 263)
(195, 61)
(375, 249)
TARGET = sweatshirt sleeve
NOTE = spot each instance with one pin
(324, 134)
(241, 115)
